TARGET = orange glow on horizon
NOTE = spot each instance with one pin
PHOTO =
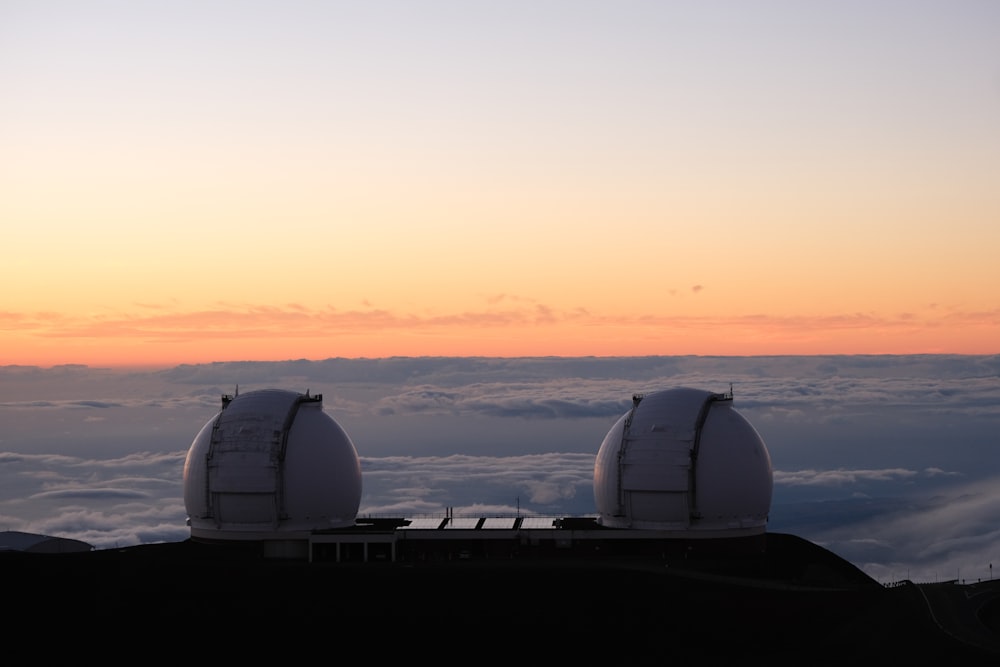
(276, 335)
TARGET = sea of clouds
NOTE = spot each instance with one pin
(892, 462)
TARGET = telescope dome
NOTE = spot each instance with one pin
(270, 464)
(684, 459)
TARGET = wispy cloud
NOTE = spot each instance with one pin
(840, 477)
(949, 535)
(545, 483)
(90, 493)
(169, 322)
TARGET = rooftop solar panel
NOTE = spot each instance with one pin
(424, 523)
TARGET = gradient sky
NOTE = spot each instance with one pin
(188, 182)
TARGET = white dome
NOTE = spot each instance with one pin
(269, 464)
(684, 459)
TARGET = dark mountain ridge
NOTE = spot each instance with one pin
(796, 603)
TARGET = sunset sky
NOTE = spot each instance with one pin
(187, 182)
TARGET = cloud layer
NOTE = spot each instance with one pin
(889, 461)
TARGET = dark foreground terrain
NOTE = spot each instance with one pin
(798, 604)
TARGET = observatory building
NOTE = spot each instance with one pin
(684, 460)
(681, 473)
(271, 466)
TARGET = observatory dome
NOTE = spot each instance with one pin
(271, 464)
(684, 459)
